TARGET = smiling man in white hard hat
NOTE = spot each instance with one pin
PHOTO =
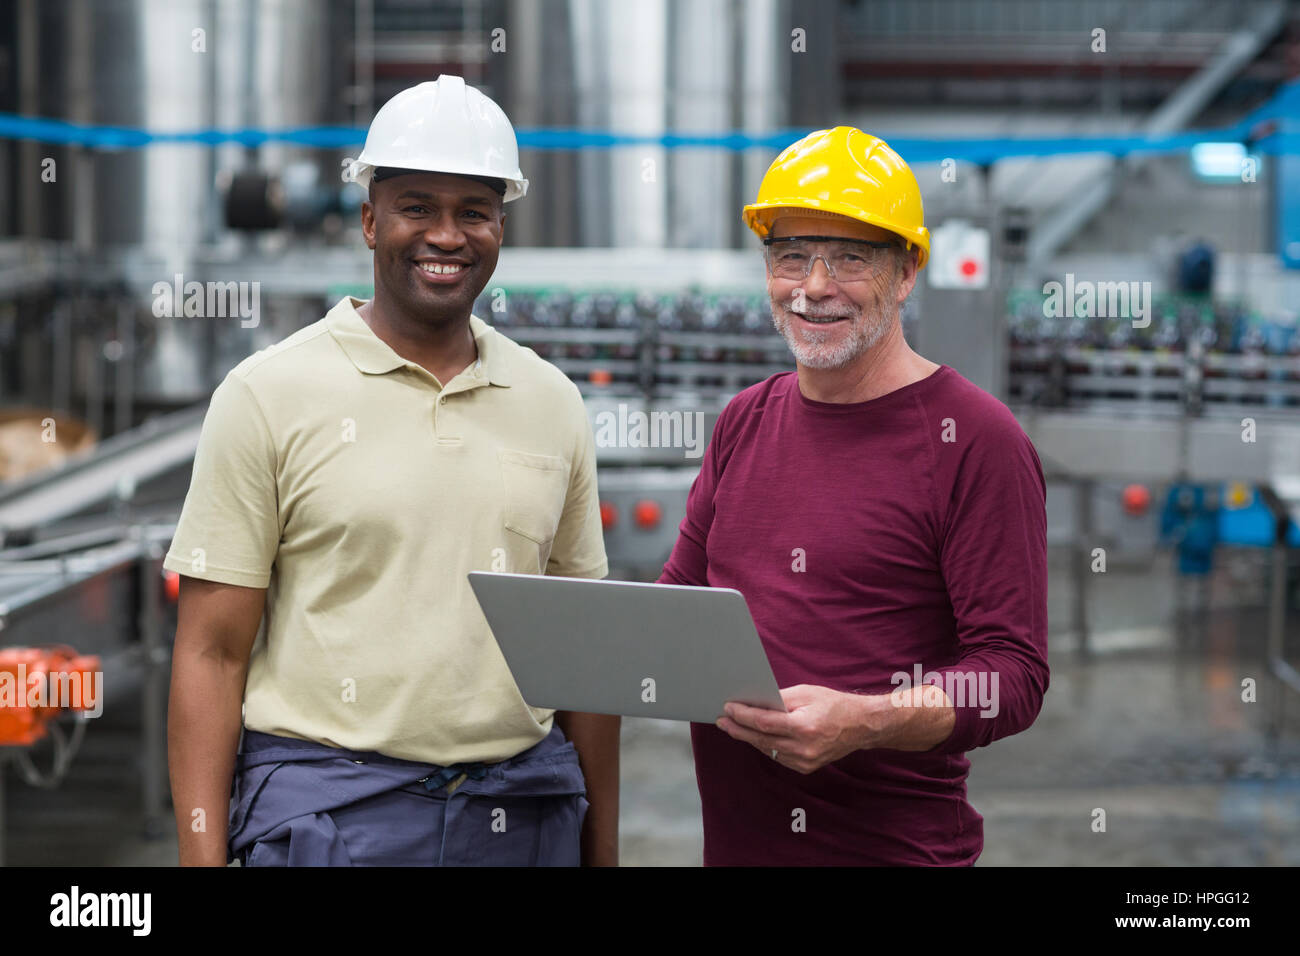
(885, 520)
(346, 481)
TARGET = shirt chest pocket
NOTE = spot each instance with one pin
(535, 489)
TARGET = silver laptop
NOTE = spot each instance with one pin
(619, 647)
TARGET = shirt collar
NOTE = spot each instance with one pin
(373, 356)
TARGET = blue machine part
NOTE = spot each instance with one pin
(1190, 522)
(1252, 525)
(1286, 185)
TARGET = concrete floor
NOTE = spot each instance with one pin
(1151, 728)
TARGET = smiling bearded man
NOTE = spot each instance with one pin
(831, 348)
(883, 518)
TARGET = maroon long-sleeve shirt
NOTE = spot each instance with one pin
(870, 539)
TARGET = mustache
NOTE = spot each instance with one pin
(823, 310)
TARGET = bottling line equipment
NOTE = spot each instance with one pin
(641, 332)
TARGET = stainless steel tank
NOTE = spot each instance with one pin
(644, 69)
(136, 216)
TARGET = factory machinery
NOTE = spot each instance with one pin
(1195, 357)
(672, 334)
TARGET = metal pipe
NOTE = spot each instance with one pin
(1287, 675)
(1082, 529)
(1172, 115)
(4, 759)
(124, 368)
(153, 696)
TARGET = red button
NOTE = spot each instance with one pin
(647, 513)
(608, 515)
(172, 585)
(1136, 499)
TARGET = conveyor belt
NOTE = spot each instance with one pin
(114, 469)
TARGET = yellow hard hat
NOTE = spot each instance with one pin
(844, 172)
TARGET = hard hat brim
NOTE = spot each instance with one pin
(759, 217)
(363, 170)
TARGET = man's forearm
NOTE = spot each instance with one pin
(203, 724)
(916, 719)
(596, 738)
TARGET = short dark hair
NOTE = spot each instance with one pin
(388, 172)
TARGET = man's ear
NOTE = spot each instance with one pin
(368, 223)
(907, 280)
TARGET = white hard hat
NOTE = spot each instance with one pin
(443, 126)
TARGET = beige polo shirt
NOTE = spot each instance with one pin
(360, 492)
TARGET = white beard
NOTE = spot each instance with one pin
(816, 348)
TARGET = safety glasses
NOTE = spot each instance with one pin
(847, 260)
